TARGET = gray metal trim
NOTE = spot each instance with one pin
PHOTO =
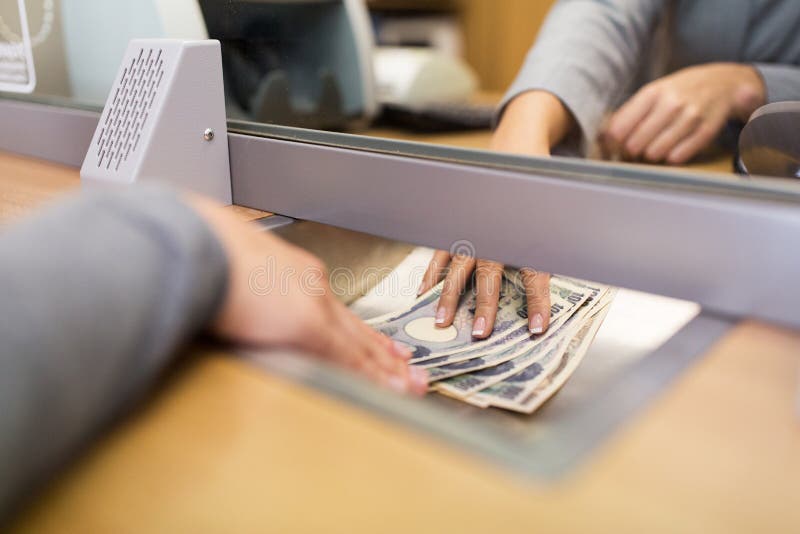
(58, 134)
(547, 445)
(584, 170)
(730, 254)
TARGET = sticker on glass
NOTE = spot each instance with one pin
(16, 54)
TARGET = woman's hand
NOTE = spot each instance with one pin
(457, 270)
(278, 295)
(675, 117)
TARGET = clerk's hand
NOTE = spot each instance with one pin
(677, 116)
(278, 295)
(457, 270)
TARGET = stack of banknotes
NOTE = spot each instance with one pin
(512, 369)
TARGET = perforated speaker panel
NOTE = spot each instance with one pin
(128, 110)
(167, 96)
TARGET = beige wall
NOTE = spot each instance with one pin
(498, 34)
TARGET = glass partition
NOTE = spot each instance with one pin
(431, 72)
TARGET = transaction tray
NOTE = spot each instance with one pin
(645, 342)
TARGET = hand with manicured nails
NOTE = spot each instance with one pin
(293, 305)
(456, 272)
(675, 117)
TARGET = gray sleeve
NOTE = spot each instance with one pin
(588, 54)
(97, 293)
(782, 81)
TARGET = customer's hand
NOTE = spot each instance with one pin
(677, 116)
(278, 295)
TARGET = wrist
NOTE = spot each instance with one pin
(749, 92)
(533, 122)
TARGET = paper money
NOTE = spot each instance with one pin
(519, 395)
(512, 369)
(528, 350)
(440, 346)
(538, 361)
(539, 356)
(417, 328)
(569, 362)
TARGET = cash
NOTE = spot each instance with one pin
(512, 369)
(530, 388)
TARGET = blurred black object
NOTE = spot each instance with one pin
(769, 144)
(439, 117)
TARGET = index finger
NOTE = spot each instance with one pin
(435, 272)
(624, 121)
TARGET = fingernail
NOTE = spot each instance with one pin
(440, 315)
(397, 384)
(418, 377)
(537, 324)
(401, 349)
(479, 326)
(419, 290)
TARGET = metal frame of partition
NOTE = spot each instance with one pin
(682, 235)
(56, 133)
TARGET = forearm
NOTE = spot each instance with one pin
(533, 123)
(97, 294)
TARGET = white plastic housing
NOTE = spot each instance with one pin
(167, 95)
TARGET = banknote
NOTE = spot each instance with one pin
(517, 393)
(475, 364)
(529, 350)
(518, 339)
(537, 362)
(516, 388)
(426, 298)
(565, 298)
(417, 329)
(464, 385)
(512, 369)
(566, 295)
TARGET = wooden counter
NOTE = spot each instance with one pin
(224, 447)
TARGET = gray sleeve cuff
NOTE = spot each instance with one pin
(782, 81)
